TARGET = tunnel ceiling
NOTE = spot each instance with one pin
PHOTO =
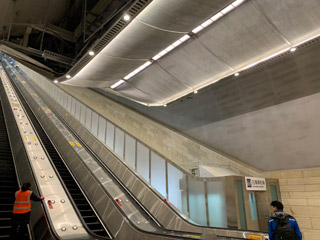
(253, 31)
(56, 37)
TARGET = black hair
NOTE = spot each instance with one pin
(277, 204)
(26, 186)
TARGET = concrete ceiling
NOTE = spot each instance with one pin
(266, 117)
(254, 31)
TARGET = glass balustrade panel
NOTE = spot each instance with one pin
(78, 109)
(130, 151)
(110, 135)
(197, 204)
(143, 161)
(83, 114)
(94, 123)
(217, 204)
(177, 194)
(102, 129)
(119, 143)
(88, 118)
(158, 173)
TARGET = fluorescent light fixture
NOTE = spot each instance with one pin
(56, 81)
(293, 49)
(207, 23)
(117, 84)
(227, 9)
(237, 74)
(135, 71)
(168, 49)
(91, 53)
(147, 63)
(126, 17)
(156, 57)
(217, 16)
(184, 38)
(265, 59)
(130, 75)
(176, 43)
(197, 29)
(163, 52)
(68, 76)
(237, 3)
(141, 68)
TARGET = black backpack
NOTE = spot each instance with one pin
(284, 231)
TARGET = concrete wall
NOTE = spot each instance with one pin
(280, 137)
(178, 148)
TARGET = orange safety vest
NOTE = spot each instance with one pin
(23, 202)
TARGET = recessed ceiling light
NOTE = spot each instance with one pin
(195, 91)
(126, 17)
(164, 105)
(68, 76)
(237, 74)
(56, 81)
(293, 49)
(91, 53)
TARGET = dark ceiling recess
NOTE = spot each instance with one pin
(61, 43)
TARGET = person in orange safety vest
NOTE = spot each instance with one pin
(22, 211)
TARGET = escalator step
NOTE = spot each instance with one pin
(6, 214)
(5, 237)
(90, 219)
(5, 207)
(94, 226)
(83, 206)
(5, 230)
(5, 221)
(100, 232)
(86, 212)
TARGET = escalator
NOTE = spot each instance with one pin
(71, 186)
(91, 220)
(8, 181)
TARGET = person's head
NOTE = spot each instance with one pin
(26, 186)
(276, 205)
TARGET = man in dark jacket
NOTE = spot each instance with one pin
(22, 211)
(279, 217)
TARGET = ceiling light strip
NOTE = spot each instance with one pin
(185, 38)
(117, 84)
